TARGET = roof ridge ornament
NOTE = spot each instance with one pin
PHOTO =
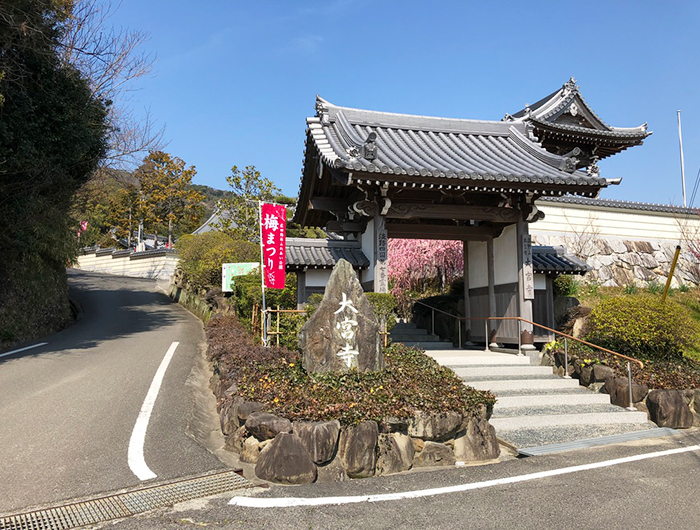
(322, 109)
(573, 109)
(569, 87)
(369, 148)
(593, 170)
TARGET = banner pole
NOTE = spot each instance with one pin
(262, 278)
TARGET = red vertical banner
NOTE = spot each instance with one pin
(273, 225)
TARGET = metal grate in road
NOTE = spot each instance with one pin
(100, 509)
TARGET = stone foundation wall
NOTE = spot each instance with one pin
(300, 452)
(618, 262)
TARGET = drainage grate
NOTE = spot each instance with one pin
(119, 505)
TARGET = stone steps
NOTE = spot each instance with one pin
(410, 335)
(535, 407)
(499, 385)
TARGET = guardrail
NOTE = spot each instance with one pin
(555, 332)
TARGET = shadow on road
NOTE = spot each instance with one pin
(112, 307)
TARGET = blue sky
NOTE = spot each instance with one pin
(234, 81)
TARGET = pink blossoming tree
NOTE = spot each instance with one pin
(419, 265)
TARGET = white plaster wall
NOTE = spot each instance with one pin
(505, 248)
(478, 268)
(317, 277)
(602, 222)
(160, 267)
(540, 282)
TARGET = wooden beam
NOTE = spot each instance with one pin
(345, 226)
(453, 211)
(460, 233)
(330, 204)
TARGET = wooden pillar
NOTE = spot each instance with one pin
(492, 291)
(468, 325)
(381, 271)
(526, 283)
(301, 289)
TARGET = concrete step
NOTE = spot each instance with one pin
(541, 410)
(546, 436)
(497, 371)
(437, 345)
(424, 337)
(408, 331)
(497, 386)
(539, 400)
(404, 325)
(462, 358)
(567, 420)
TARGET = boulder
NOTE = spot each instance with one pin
(434, 454)
(478, 441)
(234, 442)
(251, 450)
(394, 453)
(285, 461)
(594, 373)
(667, 408)
(319, 438)
(618, 389)
(332, 471)
(562, 305)
(434, 426)
(418, 445)
(265, 426)
(343, 333)
(389, 425)
(356, 449)
(229, 415)
(246, 408)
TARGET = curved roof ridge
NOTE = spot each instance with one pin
(328, 106)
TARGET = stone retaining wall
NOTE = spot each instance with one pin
(618, 263)
(300, 452)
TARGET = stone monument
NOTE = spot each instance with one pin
(343, 333)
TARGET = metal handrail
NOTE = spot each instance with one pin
(521, 319)
(566, 337)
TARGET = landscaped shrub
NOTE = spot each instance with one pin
(643, 326)
(411, 381)
(202, 255)
(566, 285)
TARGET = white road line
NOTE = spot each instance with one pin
(137, 464)
(23, 349)
(281, 502)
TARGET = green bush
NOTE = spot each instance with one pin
(566, 285)
(201, 257)
(630, 288)
(655, 287)
(643, 326)
(384, 305)
(412, 381)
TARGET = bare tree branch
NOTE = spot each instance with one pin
(111, 61)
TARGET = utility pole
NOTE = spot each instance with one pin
(680, 141)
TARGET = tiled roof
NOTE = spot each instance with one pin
(323, 253)
(550, 107)
(613, 132)
(556, 260)
(462, 152)
(627, 205)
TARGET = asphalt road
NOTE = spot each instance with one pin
(658, 492)
(67, 409)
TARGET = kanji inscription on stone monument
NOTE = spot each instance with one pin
(343, 333)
